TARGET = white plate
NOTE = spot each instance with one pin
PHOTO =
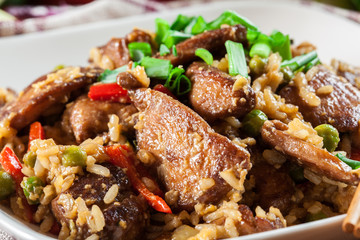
(24, 58)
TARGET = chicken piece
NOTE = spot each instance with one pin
(274, 187)
(86, 118)
(125, 218)
(214, 41)
(340, 108)
(212, 94)
(251, 224)
(186, 148)
(316, 159)
(349, 72)
(117, 48)
(47, 95)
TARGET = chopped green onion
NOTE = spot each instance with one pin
(262, 49)
(236, 58)
(230, 18)
(313, 62)
(281, 44)
(177, 82)
(180, 22)
(173, 37)
(161, 29)
(205, 55)
(183, 85)
(173, 76)
(196, 26)
(352, 163)
(300, 61)
(109, 76)
(163, 50)
(138, 50)
(157, 68)
(174, 51)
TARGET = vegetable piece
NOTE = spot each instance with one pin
(33, 189)
(108, 92)
(138, 50)
(7, 185)
(296, 173)
(174, 51)
(36, 132)
(11, 164)
(287, 73)
(161, 88)
(330, 136)
(352, 163)
(281, 44)
(163, 50)
(257, 65)
(156, 68)
(180, 22)
(173, 37)
(261, 49)
(119, 157)
(230, 18)
(236, 58)
(74, 156)
(177, 82)
(313, 62)
(315, 216)
(196, 26)
(109, 76)
(29, 159)
(205, 55)
(253, 122)
(300, 61)
(161, 29)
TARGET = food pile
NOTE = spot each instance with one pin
(201, 130)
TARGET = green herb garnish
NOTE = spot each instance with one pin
(236, 58)
(352, 163)
(157, 68)
(205, 55)
(138, 50)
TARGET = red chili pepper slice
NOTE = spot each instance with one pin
(12, 165)
(163, 89)
(36, 132)
(108, 92)
(118, 158)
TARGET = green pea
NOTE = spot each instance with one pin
(253, 122)
(257, 65)
(29, 159)
(330, 136)
(315, 216)
(33, 189)
(296, 173)
(74, 156)
(7, 185)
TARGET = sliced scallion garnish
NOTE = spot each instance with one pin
(174, 51)
(205, 55)
(163, 50)
(180, 22)
(109, 76)
(161, 29)
(138, 50)
(173, 37)
(352, 163)
(236, 58)
(262, 49)
(177, 82)
(157, 68)
(173, 76)
(230, 18)
(281, 44)
(298, 62)
(196, 26)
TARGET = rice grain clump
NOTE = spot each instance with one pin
(266, 99)
(310, 98)
(304, 131)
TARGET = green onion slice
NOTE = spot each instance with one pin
(300, 61)
(230, 18)
(180, 22)
(352, 163)
(173, 37)
(161, 29)
(177, 82)
(163, 50)
(174, 51)
(173, 76)
(196, 26)
(262, 49)
(205, 55)
(281, 44)
(157, 68)
(138, 50)
(183, 85)
(109, 76)
(236, 58)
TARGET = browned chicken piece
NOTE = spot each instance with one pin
(340, 108)
(211, 40)
(273, 187)
(187, 150)
(316, 159)
(128, 81)
(48, 94)
(212, 94)
(117, 48)
(86, 118)
(125, 218)
(349, 72)
(251, 224)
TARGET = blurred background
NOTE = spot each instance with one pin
(27, 16)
